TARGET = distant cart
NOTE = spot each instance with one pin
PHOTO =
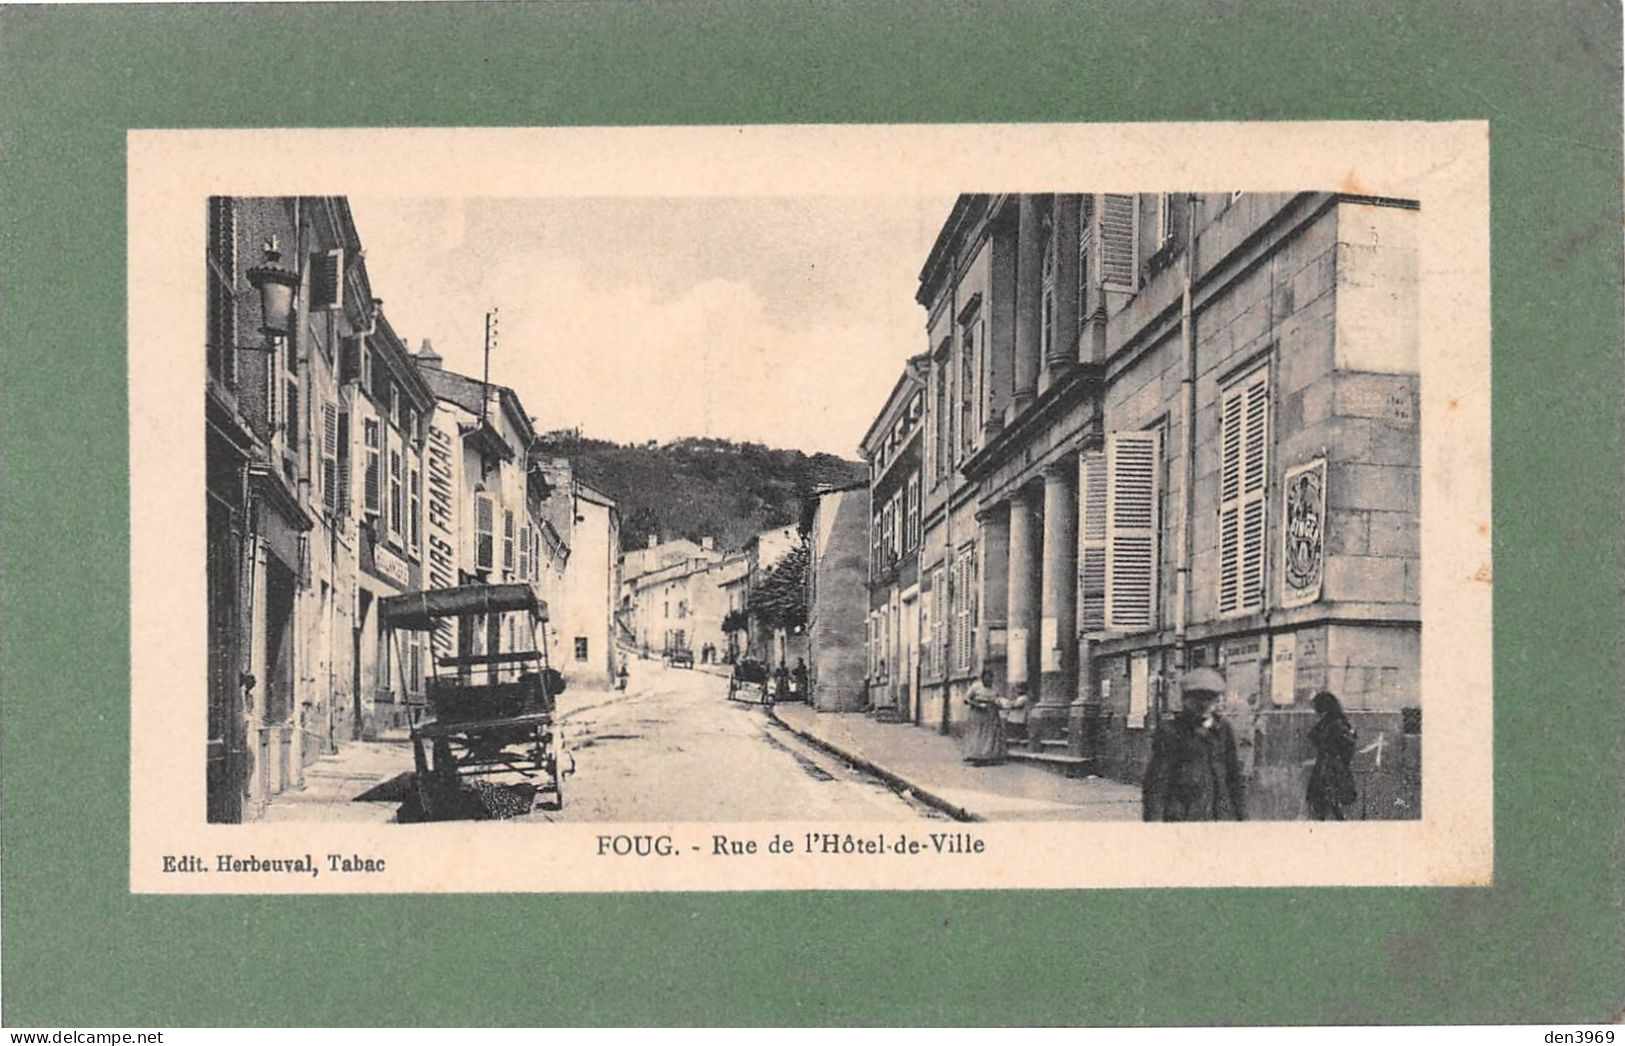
(750, 682)
(488, 712)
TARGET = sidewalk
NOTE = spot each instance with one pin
(933, 768)
(365, 781)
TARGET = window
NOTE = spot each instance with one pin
(222, 303)
(927, 626)
(876, 545)
(507, 541)
(911, 526)
(330, 456)
(372, 496)
(1165, 221)
(1086, 235)
(1119, 241)
(1132, 470)
(327, 279)
(366, 367)
(1243, 482)
(942, 422)
(1046, 300)
(292, 423)
(414, 662)
(397, 506)
(581, 648)
(484, 537)
(414, 514)
(970, 348)
(939, 620)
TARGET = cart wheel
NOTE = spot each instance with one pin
(422, 780)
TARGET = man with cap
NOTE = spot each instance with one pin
(1194, 774)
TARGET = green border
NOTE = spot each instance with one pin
(1547, 943)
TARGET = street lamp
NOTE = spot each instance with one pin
(276, 286)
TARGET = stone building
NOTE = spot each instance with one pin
(892, 449)
(1172, 430)
(293, 330)
(836, 524)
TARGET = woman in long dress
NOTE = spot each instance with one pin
(1331, 782)
(984, 728)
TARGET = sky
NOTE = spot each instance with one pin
(783, 321)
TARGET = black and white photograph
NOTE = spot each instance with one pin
(1048, 506)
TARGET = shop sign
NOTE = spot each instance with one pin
(387, 564)
(1303, 536)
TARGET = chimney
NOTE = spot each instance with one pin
(654, 539)
(707, 543)
(427, 357)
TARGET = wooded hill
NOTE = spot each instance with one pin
(699, 487)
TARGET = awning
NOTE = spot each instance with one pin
(420, 611)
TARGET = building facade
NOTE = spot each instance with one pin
(836, 524)
(892, 447)
(1165, 431)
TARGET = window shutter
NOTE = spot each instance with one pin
(524, 551)
(373, 495)
(414, 507)
(484, 542)
(330, 456)
(1092, 542)
(1131, 530)
(507, 540)
(1119, 228)
(1243, 482)
(344, 462)
(395, 507)
(327, 279)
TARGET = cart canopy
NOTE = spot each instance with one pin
(420, 611)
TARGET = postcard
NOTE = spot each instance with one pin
(1045, 506)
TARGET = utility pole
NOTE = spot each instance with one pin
(490, 343)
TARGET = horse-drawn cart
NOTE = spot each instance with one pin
(750, 682)
(489, 711)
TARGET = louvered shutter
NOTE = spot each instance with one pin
(372, 495)
(484, 538)
(1119, 228)
(524, 551)
(1092, 541)
(344, 462)
(507, 540)
(1243, 483)
(330, 456)
(327, 279)
(1131, 530)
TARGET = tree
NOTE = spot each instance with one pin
(781, 599)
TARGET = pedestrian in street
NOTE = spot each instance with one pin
(799, 679)
(1013, 715)
(1194, 773)
(984, 726)
(1331, 782)
(620, 676)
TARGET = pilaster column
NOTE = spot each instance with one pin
(1064, 346)
(1029, 292)
(1022, 606)
(994, 543)
(1059, 626)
